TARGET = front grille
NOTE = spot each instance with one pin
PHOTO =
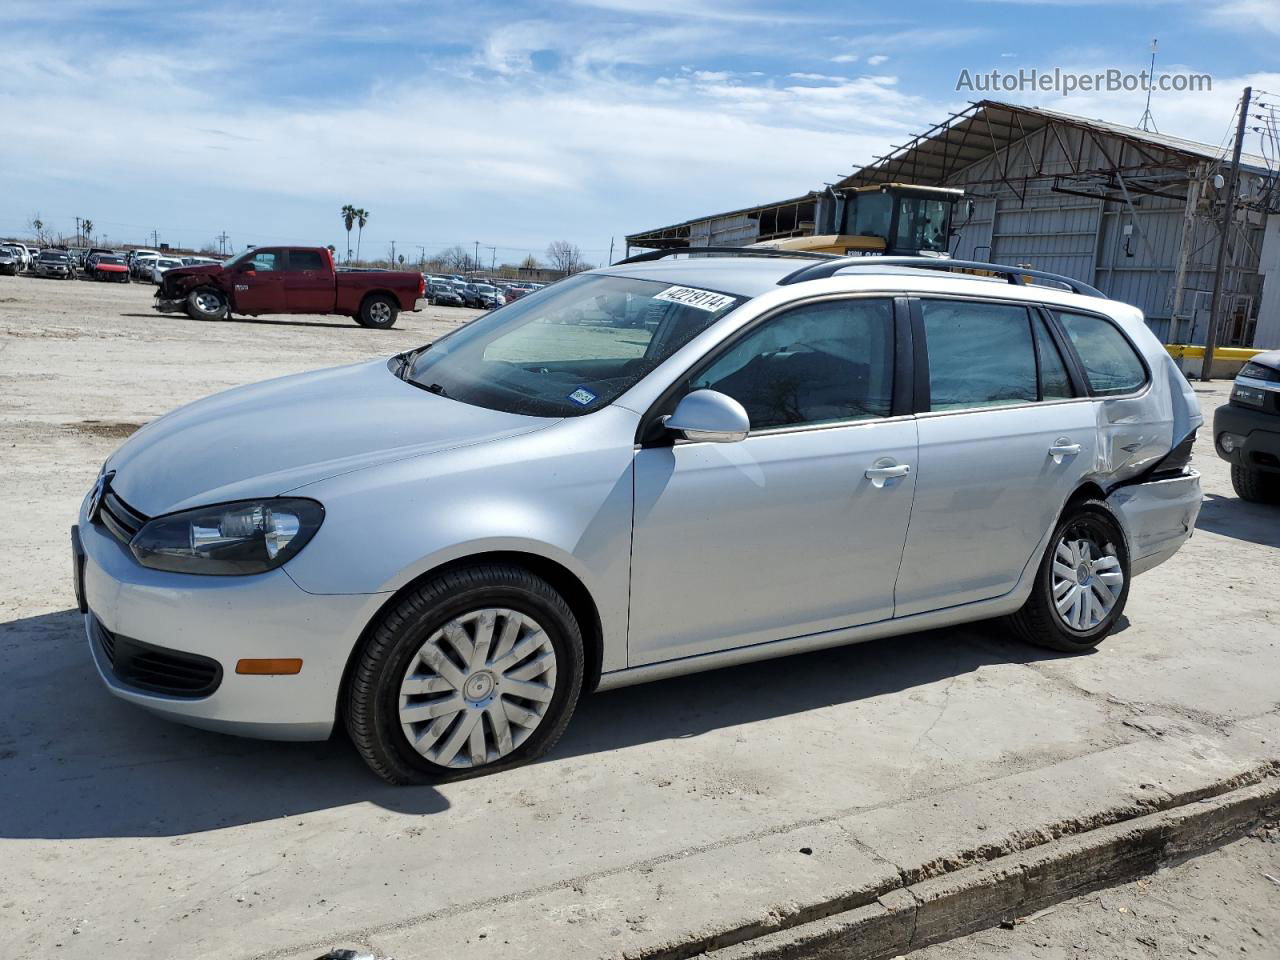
(145, 666)
(118, 517)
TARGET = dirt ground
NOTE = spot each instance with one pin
(1223, 904)
(124, 835)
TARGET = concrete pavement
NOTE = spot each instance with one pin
(672, 818)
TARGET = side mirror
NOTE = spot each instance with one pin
(709, 416)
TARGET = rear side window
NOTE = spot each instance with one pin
(305, 260)
(980, 354)
(1110, 363)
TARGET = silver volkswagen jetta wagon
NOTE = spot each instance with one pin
(649, 469)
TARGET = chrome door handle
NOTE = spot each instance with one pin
(1063, 448)
(881, 473)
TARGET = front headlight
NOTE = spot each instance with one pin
(229, 539)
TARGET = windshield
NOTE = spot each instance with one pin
(569, 349)
(51, 255)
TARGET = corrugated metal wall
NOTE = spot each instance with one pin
(1026, 221)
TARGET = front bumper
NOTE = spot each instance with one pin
(164, 305)
(1260, 430)
(1158, 517)
(224, 619)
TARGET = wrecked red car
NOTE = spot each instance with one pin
(269, 280)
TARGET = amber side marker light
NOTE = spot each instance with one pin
(270, 668)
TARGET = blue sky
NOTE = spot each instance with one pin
(514, 124)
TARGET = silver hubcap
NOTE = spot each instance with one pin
(1087, 581)
(206, 302)
(379, 312)
(478, 688)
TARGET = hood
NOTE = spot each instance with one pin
(268, 438)
(176, 275)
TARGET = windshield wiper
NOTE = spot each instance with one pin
(406, 359)
(435, 388)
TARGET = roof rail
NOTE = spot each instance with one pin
(729, 252)
(1013, 274)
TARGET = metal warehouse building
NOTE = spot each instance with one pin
(1135, 213)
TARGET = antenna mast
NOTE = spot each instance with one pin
(1147, 118)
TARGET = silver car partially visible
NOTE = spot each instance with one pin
(645, 470)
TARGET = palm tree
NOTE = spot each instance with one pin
(362, 217)
(348, 221)
(88, 231)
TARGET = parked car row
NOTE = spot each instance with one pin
(94, 263)
(452, 290)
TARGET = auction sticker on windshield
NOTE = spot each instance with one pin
(698, 299)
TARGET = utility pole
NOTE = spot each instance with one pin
(493, 259)
(611, 251)
(222, 243)
(1228, 221)
(393, 254)
(155, 239)
(422, 256)
(78, 231)
(476, 259)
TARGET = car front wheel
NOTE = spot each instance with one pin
(1082, 584)
(476, 670)
(206, 303)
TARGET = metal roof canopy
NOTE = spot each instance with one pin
(988, 127)
(677, 235)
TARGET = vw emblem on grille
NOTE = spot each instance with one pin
(97, 493)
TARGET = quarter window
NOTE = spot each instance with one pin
(1110, 363)
(820, 363)
(980, 354)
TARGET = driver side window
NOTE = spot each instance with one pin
(264, 261)
(821, 363)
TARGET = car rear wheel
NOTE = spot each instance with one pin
(205, 303)
(379, 312)
(1254, 485)
(476, 670)
(1082, 585)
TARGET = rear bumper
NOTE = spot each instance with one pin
(1260, 449)
(1158, 517)
(421, 303)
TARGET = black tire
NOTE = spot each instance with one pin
(207, 303)
(378, 312)
(1255, 485)
(1038, 622)
(373, 689)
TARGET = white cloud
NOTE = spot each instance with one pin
(875, 61)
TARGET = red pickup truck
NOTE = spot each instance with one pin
(289, 280)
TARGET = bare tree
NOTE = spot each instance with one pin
(565, 257)
(456, 259)
(530, 263)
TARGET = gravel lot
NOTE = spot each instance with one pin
(124, 835)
